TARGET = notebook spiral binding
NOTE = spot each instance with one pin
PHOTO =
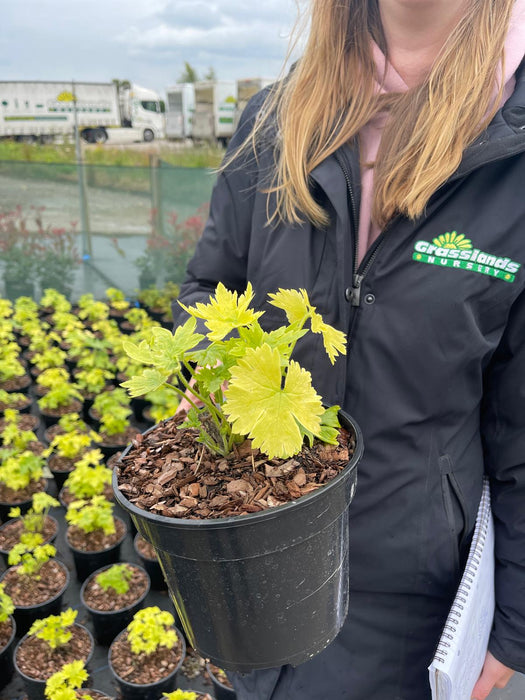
(474, 558)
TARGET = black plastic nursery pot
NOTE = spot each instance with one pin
(25, 615)
(150, 691)
(5, 552)
(35, 689)
(24, 506)
(6, 657)
(108, 624)
(220, 691)
(264, 589)
(88, 562)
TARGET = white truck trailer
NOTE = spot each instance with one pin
(39, 110)
(180, 107)
(215, 102)
(246, 88)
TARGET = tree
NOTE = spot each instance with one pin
(210, 75)
(189, 74)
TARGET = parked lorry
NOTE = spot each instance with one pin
(180, 107)
(39, 110)
(246, 88)
(215, 102)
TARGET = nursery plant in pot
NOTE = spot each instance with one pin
(35, 581)
(51, 643)
(59, 400)
(222, 688)
(145, 657)
(112, 409)
(36, 522)
(7, 637)
(118, 304)
(246, 500)
(92, 382)
(89, 478)
(48, 358)
(50, 379)
(186, 695)
(69, 423)
(21, 476)
(67, 683)
(65, 450)
(13, 375)
(14, 400)
(15, 441)
(53, 300)
(94, 534)
(112, 595)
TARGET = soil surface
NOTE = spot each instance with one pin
(73, 407)
(18, 405)
(94, 541)
(37, 660)
(104, 601)
(8, 495)
(17, 383)
(66, 497)
(167, 472)
(220, 675)
(11, 531)
(26, 591)
(143, 668)
(25, 421)
(119, 439)
(145, 549)
(6, 630)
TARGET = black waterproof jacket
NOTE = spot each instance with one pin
(435, 370)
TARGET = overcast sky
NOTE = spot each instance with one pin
(145, 41)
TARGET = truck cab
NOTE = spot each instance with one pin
(142, 109)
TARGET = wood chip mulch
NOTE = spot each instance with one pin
(6, 630)
(14, 498)
(94, 541)
(26, 591)
(17, 383)
(167, 472)
(37, 660)
(143, 668)
(220, 675)
(11, 531)
(119, 439)
(145, 549)
(18, 405)
(105, 601)
(25, 421)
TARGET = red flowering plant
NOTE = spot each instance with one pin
(17, 247)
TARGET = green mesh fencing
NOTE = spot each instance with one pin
(94, 226)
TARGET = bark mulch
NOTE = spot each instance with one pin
(104, 601)
(94, 541)
(66, 497)
(11, 531)
(25, 421)
(119, 439)
(27, 591)
(6, 630)
(74, 407)
(17, 383)
(18, 405)
(220, 675)
(37, 660)
(146, 549)
(8, 495)
(169, 473)
(143, 668)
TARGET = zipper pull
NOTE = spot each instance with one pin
(356, 290)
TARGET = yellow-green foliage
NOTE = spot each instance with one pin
(180, 695)
(116, 577)
(34, 520)
(90, 476)
(269, 397)
(63, 684)
(6, 604)
(91, 515)
(54, 629)
(18, 471)
(150, 629)
(30, 556)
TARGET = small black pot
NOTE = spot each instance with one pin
(6, 657)
(23, 505)
(107, 625)
(27, 614)
(35, 689)
(51, 419)
(88, 562)
(152, 566)
(5, 552)
(239, 583)
(152, 691)
(59, 476)
(220, 691)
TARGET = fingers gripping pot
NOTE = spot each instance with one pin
(264, 589)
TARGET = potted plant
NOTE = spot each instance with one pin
(7, 637)
(23, 527)
(58, 260)
(94, 534)
(92, 382)
(65, 450)
(112, 595)
(186, 695)
(89, 478)
(14, 400)
(59, 400)
(13, 417)
(21, 476)
(17, 253)
(68, 423)
(13, 375)
(66, 684)
(53, 300)
(112, 410)
(118, 304)
(50, 379)
(222, 688)
(16, 441)
(36, 581)
(252, 490)
(56, 640)
(145, 657)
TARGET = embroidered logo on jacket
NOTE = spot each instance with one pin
(455, 250)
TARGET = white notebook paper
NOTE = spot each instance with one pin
(463, 644)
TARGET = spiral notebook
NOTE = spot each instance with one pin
(461, 651)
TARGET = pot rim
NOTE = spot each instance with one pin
(249, 518)
(137, 535)
(180, 636)
(215, 679)
(11, 638)
(49, 600)
(119, 610)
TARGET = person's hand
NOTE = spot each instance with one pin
(184, 404)
(493, 675)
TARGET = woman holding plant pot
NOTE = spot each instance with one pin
(383, 176)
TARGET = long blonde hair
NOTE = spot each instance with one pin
(332, 93)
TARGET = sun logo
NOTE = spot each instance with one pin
(454, 240)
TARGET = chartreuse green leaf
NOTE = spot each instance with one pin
(63, 684)
(330, 425)
(274, 417)
(226, 311)
(149, 380)
(333, 340)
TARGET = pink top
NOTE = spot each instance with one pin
(370, 135)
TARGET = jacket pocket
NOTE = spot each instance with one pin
(455, 508)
